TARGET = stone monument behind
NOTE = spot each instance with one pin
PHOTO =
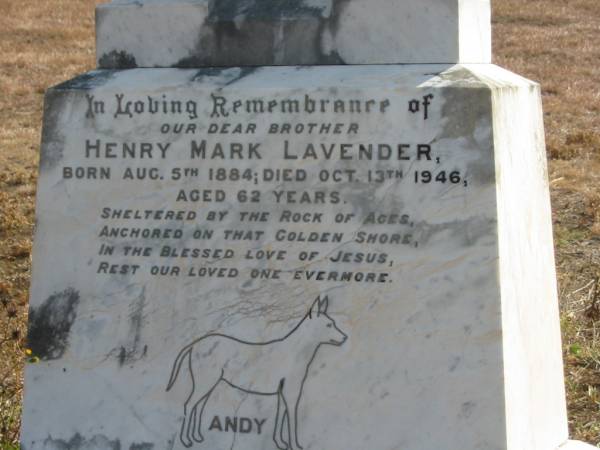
(310, 224)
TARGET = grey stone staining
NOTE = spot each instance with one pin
(262, 33)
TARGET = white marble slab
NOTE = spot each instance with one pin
(201, 33)
(434, 341)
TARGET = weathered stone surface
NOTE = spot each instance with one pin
(204, 33)
(428, 337)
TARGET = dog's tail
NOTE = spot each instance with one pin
(177, 364)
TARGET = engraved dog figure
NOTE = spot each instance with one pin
(256, 368)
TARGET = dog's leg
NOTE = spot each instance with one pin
(284, 429)
(293, 392)
(188, 407)
(198, 411)
(193, 417)
(290, 426)
(294, 424)
(194, 422)
(187, 415)
(279, 422)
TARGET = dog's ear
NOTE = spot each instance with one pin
(323, 304)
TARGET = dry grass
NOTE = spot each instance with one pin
(43, 42)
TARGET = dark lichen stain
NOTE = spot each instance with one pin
(209, 72)
(56, 103)
(78, 442)
(243, 73)
(229, 10)
(228, 75)
(52, 135)
(50, 325)
(265, 33)
(87, 81)
(142, 446)
(133, 350)
(117, 60)
(122, 356)
(97, 442)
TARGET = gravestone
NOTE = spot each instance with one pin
(318, 224)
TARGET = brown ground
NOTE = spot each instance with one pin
(556, 42)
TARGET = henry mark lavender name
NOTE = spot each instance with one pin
(122, 106)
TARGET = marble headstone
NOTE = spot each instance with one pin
(254, 253)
